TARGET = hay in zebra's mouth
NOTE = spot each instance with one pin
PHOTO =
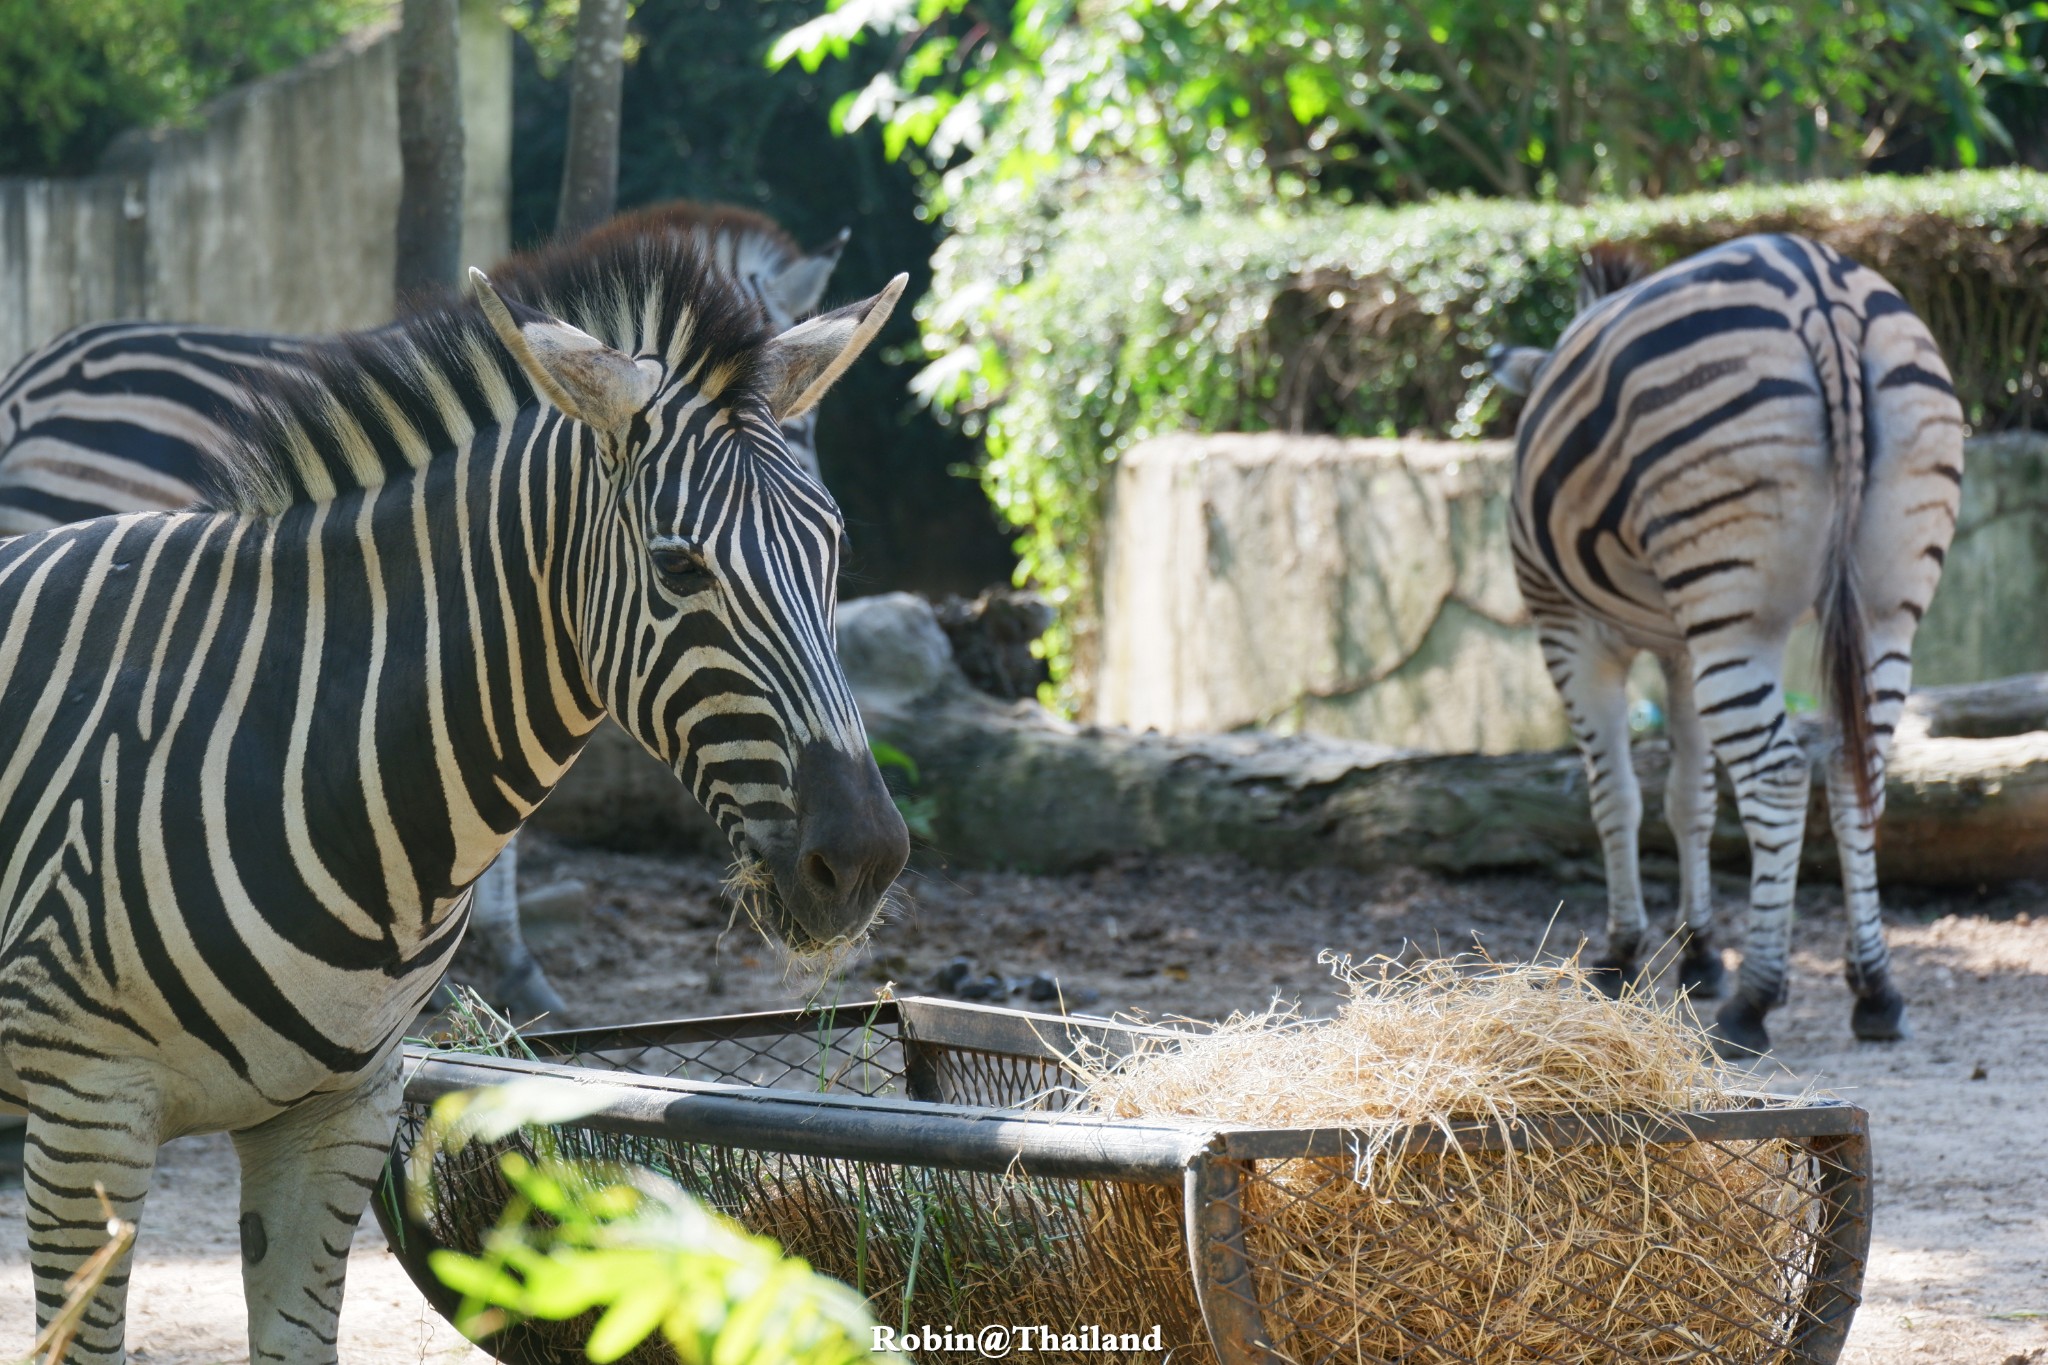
(1569, 1250)
(750, 888)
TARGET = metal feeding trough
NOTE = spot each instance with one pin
(934, 1155)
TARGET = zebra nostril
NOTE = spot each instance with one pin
(818, 872)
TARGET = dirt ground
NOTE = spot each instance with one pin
(1959, 1270)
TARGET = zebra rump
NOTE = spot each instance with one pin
(1709, 454)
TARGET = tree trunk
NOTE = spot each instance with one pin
(430, 149)
(590, 169)
(1013, 787)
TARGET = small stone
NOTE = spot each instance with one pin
(947, 979)
(989, 987)
(1978, 1073)
(555, 902)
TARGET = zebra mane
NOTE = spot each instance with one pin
(370, 407)
(1608, 268)
(738, 241)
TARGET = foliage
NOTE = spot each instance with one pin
(74, 73)
(918, 812)
(1398, 99)
(1081, 323)
(633, 1247)
(549, 27)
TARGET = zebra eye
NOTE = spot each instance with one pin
(683, 571)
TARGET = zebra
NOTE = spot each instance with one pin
(1708, 453)
(115, 417)
(260, 751)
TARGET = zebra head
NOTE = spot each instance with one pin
(707, 616)
(749, 250)
(1606, 270)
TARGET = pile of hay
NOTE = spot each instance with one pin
(1580, 1253)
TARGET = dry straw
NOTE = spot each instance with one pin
(1622, 1251)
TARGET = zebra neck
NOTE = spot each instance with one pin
(448, 677)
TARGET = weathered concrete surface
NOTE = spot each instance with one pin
(1990, 617)
(276, 210)
(1363, 589)
(1355, 588)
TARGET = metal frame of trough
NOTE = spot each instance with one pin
(1209, 1161)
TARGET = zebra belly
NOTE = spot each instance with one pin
(211, 1063)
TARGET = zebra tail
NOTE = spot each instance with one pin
(1844, 637)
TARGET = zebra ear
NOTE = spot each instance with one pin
(572, 369)
(801, 284)
(804, 361)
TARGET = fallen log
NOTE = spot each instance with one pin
(1987, 710)
(1012, 786)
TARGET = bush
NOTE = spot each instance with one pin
(74, 73)
(1071, 330)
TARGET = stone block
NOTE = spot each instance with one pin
(1363, 589)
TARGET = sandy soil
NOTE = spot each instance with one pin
(1959, 1271)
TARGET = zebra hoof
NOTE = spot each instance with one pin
(1880, 1017)
(1700, 972)
(1738, 1031)
(1611, 976)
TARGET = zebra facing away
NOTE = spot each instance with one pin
(116, 417)
(260, 753)
(1755, 432)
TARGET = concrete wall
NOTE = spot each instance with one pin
(1363, 589)
(276, 210)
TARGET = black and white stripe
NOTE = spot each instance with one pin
(260, 753)
(1757, 432)
(114, 418)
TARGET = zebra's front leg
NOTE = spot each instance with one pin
(112, 1140)
(1590, 667)
(1689, 802)
(306, 1179)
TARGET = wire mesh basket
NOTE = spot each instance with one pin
(933, 1155)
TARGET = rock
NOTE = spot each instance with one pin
(555, 902)
(992, 636)
(891, 647)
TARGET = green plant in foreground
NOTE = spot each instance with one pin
(631, 1246)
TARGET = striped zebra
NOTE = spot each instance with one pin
(115, 417)
(1758, 431)
(261, 752)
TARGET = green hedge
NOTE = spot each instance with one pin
(1070, 332)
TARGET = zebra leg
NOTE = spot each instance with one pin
(1589, 664)
(306, 1179)
(112, 1139)
(1689, 801)
(1880, 1012)
(1742, 709)
(523, 991)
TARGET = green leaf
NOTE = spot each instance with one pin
(635, 1313)
(888, 755)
